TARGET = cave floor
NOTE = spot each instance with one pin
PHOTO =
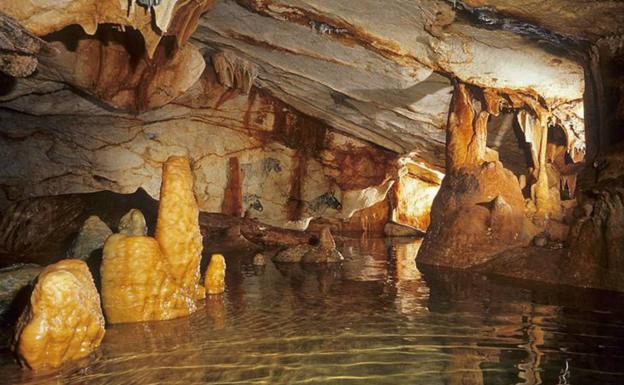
(374, 319)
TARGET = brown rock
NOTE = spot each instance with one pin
(63, 321)
(326, 240)
(479, 210)
(259, 260)
(215, 275)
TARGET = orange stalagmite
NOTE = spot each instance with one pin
(215, 275)
(147, 279)
(177, 228)
(137, 284)
(63, 320)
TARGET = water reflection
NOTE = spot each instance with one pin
(375, 319)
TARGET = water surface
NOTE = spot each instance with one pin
(375, 319)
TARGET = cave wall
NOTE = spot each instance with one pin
(251, 154)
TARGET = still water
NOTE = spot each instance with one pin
(375, 319)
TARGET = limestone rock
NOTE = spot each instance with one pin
(321, 255)
(133, 224)
(215, 275)
(284, 156)
(177, 227)
(28, 233)
(479, 210)
(398, 230)
(259, 260)
(234, 71)
(172, 16)
(108, 67)
(157, 278)
(137, 284)
(91, 237)
(324, 252)
(63, 321)
(292, 254)
(19, 48)
(13, 280)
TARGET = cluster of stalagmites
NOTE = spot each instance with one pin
(480, 210)
(143, 278)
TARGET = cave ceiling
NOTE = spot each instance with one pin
(379, 71)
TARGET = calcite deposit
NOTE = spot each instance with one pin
(63, 321)
(322, 252)
(479, 210)
(214, 280)
(146, 278)
(305, 114)
(137, 284)
(132, 223)
(177, 227)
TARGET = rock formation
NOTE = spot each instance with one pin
(479, 210)
(19, 48)
(215, 275)
(177, 227)
(14, 282)
(157, 278)
(323, 252)
(133, 224)
(63, 321)
(91, 237)
(137, 284)
(233, 71)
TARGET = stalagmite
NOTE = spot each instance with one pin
(137, 284)
(155, 279)
(63, 320)
(215, 275)
(133, 223)
(479, 210)
(177, 228)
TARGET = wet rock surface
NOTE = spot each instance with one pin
(145, 278)
(63, 321)
(215, 275)
(323, 252)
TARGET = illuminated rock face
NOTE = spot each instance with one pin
(157, 278)
(177, 228)
(63, 320)
(137, 284)
(479, 210)
(215, 275)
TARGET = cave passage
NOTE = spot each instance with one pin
(308, 192)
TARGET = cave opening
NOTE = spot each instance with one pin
(253, 191)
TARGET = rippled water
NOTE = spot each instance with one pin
(376, 319)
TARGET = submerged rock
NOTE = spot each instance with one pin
(133, 224)
(215, 275)
(324, 252)
(259, 260)
(91, 237)
(392, 229)
(63, 320)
